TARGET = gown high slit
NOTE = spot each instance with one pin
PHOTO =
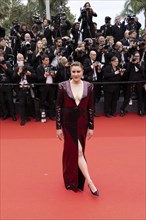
(74, 119)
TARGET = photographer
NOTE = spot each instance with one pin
(122, 54)
(93, 73)
(24, 75)
(65, 27)
(6, 94)
(135, 72)
(37, 20)
(130, 43)
(68, 46)
(76, 33)
(104, 54)
(111, 73)
(23, 30)
(27, 48)
(8, 53)
(89, 45)
(133, 24)
(61, 24)
(35, 33)
(15, 36)
(48, 32)
(63, 70)
(46, 74)
(106, 29)
(57, 51)
(80, 54)
(36, 57)
(86, 18)
(118, 29)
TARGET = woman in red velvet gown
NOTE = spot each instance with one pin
(74, 120)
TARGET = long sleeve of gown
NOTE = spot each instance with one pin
(91, 108)
(59, 105)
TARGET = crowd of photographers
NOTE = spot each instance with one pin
(33, 61)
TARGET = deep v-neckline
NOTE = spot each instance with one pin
(73, 94)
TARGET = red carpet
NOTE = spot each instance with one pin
(31, 172)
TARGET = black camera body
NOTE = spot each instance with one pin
(58, 19)
(130, 18)
(88, 41)
(16, 26)
(53, 68)
(106, 46)
(24, 70)
(37, 19)
(84, 12)
(133, 59)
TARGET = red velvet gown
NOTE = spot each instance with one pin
(74, 120)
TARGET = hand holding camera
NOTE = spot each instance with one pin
(52, 73)
(133, 59)
(47, 72)
(95, 64)
(28, 73)
(122, 71)
(117, 72)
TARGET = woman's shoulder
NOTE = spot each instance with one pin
(88, 84)
(63, 84)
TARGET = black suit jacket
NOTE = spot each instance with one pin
(40, 74)
(110, 76)
(89, 71)
(8, 53)
(17, 78)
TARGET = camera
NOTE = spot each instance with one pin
(133, 59)
(28, 45)
(50, 68)
(88, 41)
(16, 26)
(126, 47)
(37, 19)
(83, 12)
(130, 18)
(106, 46)
(15, 23)
(24, 70)
(58, 19)
(11, 59)
(53, 68)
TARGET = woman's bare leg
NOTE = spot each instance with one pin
(83, 167)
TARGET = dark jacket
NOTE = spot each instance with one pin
(89, 71)
(110, 76)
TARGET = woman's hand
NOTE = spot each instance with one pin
(60, 134)
(89, 133)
